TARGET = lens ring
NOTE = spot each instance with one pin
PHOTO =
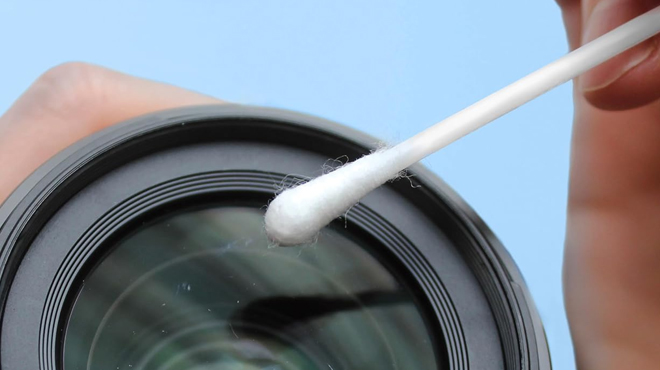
(125, 215)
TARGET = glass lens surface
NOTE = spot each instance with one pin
(203, 290)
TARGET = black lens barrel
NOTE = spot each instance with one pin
(68, 215)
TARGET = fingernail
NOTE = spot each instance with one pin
(606, 16)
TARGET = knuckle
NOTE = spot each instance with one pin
(567, 3)
(69, 86)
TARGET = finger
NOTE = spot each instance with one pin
(572, 14)
(613, 197)
(612, 254)
(631, 79)
(70, 102)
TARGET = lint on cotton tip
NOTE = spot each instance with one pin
(296, 215)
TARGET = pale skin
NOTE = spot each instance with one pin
(612, 252)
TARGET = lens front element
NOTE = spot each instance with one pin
(203, 290)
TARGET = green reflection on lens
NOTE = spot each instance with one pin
(203, 290)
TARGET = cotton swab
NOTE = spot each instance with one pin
(297, 214)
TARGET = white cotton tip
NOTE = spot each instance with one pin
(297, 214)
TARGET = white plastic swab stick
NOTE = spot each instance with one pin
(297, 214)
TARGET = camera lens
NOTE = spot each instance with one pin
(143, 248)
(202, 289)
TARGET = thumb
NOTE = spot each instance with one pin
(631, 79)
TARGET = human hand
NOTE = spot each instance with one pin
(72, 101)
(612, 255)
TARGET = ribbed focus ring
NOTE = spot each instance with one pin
(221, 184)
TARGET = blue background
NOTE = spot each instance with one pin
(389, 68)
